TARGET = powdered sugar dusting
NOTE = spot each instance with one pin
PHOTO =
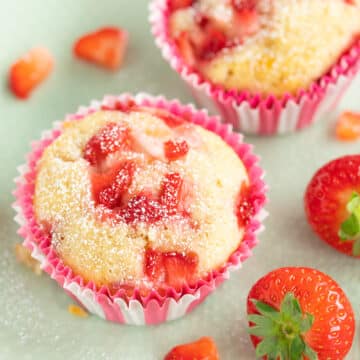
(288, 51)
(104, 246)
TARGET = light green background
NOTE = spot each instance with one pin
(34, 322)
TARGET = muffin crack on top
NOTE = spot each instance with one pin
(141, 198)
(271, 47)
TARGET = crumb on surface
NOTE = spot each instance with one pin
(23, 255)
(77, 311)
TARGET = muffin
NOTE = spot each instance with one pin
(252, 58)
(141, 200)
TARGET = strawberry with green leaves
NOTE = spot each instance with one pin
(332, 204)
(298, 313)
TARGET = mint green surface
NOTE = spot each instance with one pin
(34, 321)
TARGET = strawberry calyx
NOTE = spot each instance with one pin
(282, 331)
(350, 228)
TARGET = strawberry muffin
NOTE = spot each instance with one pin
(266, 66)
(139, 206)
(268, 47)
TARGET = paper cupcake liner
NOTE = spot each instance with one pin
(251, 113)
(120, 307)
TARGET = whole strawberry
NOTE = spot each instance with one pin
(332, 204)
(300, 313)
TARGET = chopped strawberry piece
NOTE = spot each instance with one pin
(154, 267)
(202, 349)
(169, 119)
(180, 268)
(245, 207)
(173, 267)
(105, 47)
(110, 196)
(348, 126)
(180, 4)
(215, 41)
(185, 47)
(111, 138)
(246, 23)
(202, 20)
(29, 71)
(110, 187)
(175, 150)
(170, 192)
(123, 106)
(241, 5)
(142, 208)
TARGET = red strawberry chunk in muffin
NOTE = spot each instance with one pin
(110, 196)
(110, 139)
(215, 42)
(170, 119)
(173, 267)
(212, 34)
(126, 105)
(111, 186)
(180, 268)
(175, 150)
(141, 208)
(244, 207)
(145, 207)
(179, 4)
(244, 5)
(186, 48)
(170, 196)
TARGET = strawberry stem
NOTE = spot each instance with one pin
(282, 330)
(350, 228)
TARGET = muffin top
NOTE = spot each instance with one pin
(141, 198)
(264, 46)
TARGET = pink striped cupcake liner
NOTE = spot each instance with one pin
(137, 309)
(251, 113)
